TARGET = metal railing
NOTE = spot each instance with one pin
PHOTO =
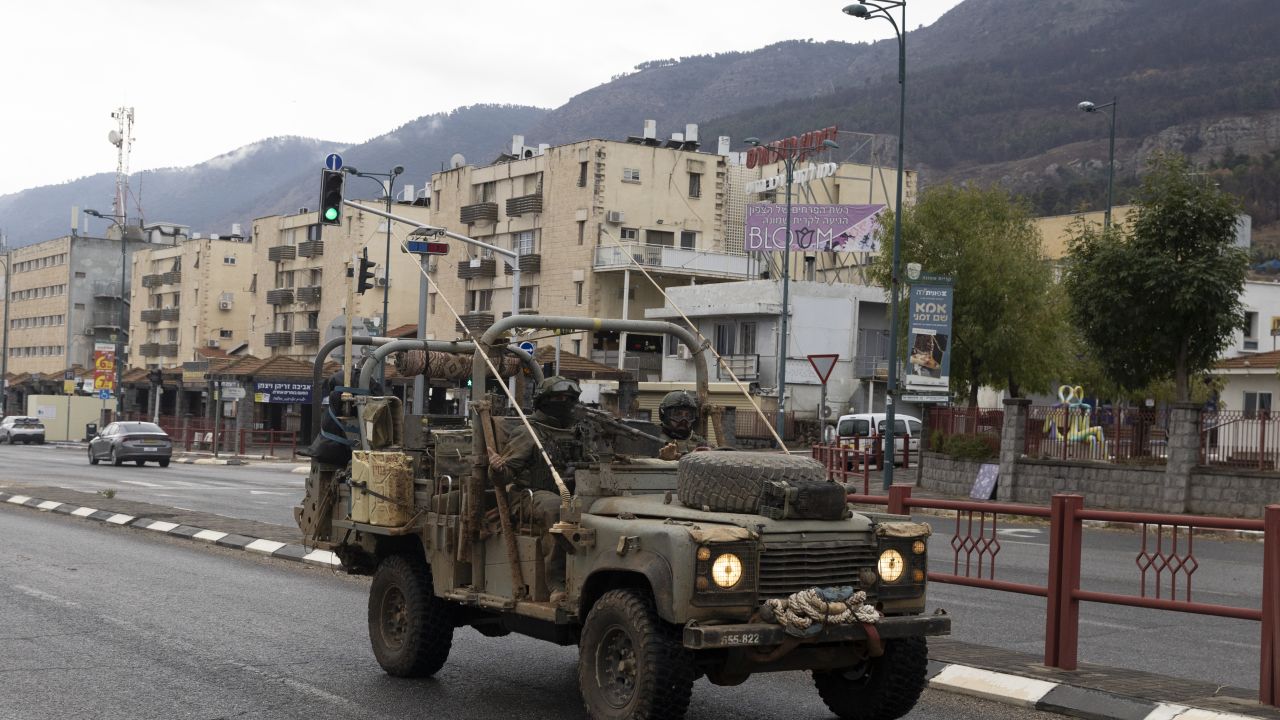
(845, 464)
(270, 440)
(1247, 440)
(745, 367)
(673, 259)
(1165, 561)
(1103, 435)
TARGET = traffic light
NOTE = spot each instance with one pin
(156, 376)
(364, 275)
(331, 197)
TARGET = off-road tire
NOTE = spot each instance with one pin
(410, 628)
(624, 624)
(115, 459)
(887, 689)
(93, 459)
(734, 481)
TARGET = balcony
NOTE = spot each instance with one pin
(524, 205)
(171, 278)
(309, 294)
(306, 337)
(476, 322)
(151, 315)
(282, 252)
(485, 267)
(169, 314)
(311, 248)
(280, 296)
(480, 212)
(168, 350)
(528, 263)
(150, 349)
(106, 289)
(106, 319)
(150, 281)
(673, 260)
(871, 367)
(746, 367)
(278, 339)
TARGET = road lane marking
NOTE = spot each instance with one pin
(210, 535)
(264, 546)
(141, 483)
(1110, 626)
(1019, 532)
(84, 511)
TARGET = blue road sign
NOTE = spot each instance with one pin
(333, 161)
(104, 394)
(527, 347)
(422, 247)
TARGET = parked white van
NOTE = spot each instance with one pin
(855, 431)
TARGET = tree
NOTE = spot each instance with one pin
(1009, 320)
(1159, 301)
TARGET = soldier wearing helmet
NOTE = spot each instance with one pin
(519, 463)
(678, 414)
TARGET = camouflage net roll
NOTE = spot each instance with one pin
(444, 366)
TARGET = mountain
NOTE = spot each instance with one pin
(992, 89)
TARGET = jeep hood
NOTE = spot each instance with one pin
(653, 507)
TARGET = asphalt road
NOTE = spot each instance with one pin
(265, 491)
(98, 621)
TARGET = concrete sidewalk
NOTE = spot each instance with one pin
(1092, 691)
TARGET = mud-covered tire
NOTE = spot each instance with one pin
(734, 481)
(886, 688)
(631, 663)
(410, 628)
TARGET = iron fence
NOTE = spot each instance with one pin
(1109, 434)
(1248, 440)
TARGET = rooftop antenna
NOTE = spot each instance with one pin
(122, 138)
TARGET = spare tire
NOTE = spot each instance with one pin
(777, 486)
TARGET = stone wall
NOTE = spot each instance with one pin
(947, 476)
(1114, 487)
(1233, 494)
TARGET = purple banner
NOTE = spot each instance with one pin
(828, 228)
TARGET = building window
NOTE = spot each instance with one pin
(748, 338)
(313, 320)
(577, 290)
(582, 174)
(659, 237)
(173, 335)
(577, 347)
(810, 268)
(582, 231)
(80, 276)
(479, 300)
(724, 338)
(225, 334)
(631, 175)
(528, 297)
(1251, 331)
(695, 185)
(629, 234)
(524, 243)
(688, 240)
(229, 260)
(1257, 404)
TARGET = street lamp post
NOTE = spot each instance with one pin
(4, 351)
(880, 9)
(387, 264)
(1111, 154)
(789, 157)
(124, 318)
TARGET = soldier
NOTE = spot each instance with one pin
(678, 413)
(519, 462)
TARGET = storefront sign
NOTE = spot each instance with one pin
(282, 392)
(814, 228)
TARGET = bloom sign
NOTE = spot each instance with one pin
(827, 228)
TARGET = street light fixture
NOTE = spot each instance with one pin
(866, 11)
(1089, 107)
(789, 157)
(124, 318)
(388, 188)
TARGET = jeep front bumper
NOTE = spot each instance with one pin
(709, 637)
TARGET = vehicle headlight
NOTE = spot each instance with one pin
(891, 565)
(726, 571)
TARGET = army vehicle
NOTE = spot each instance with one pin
(674, 570)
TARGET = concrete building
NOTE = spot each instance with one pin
(298, 277)
(190, 296)
(578, 214)
(64, 295)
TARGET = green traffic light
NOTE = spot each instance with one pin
(331, 213)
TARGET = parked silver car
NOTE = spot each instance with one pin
(137, 441)
(22, 429)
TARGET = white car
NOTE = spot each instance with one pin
(22, 429)
(857, 431)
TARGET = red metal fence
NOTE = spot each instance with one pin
(1165, 561)
(267, 442)
(1240, 439)
(748, 425)
(845, 464)
(1105, 435)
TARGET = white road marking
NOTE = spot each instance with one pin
(162, 526)
(210, 535)
(267, 492)
(1228, 643)
(18, 499)
(48, 505)
(84, 511)
(141, 483)
(42, 595)
(992, 685)
(1110, 626)
(1020, 532)
(322, 556)
(1165, 711)
(119, 519)
(264, 546)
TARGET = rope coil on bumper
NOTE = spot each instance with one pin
(805, 613)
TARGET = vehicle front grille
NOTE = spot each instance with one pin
(789, 567)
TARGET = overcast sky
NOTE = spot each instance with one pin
(207, 77)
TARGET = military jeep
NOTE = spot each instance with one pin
(659, 590)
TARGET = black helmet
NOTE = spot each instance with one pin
(555, 385)
(676, 399)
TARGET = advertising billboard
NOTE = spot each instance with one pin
(929, 337)
(104, 367)
(827, 228)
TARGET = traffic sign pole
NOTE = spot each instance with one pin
(822, 367)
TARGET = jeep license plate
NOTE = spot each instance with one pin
(742, 639)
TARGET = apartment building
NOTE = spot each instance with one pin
(64, 294)
(188, 297)
(299, 281)
(581, 217)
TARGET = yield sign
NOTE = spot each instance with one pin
(823, 365)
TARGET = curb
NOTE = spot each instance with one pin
(272, 548)
(198, 460)
(1060, 698)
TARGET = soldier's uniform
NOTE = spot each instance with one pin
(679, 413)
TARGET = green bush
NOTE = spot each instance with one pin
(965, 447)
